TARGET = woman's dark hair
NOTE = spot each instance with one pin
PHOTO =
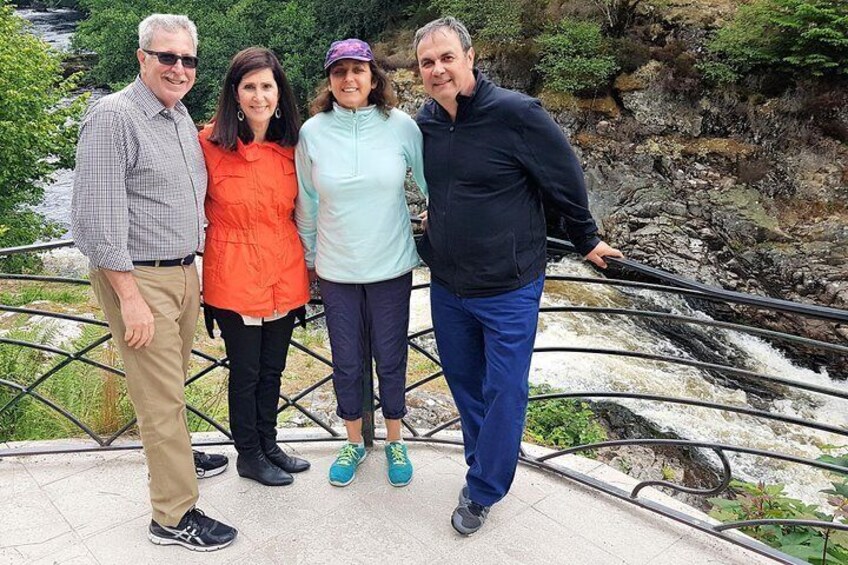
(227, 128)
(382, 95)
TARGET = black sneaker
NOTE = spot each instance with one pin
(209, 464)
(468, 518)
(196, 532)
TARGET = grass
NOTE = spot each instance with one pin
(100, 399)
(21, 294)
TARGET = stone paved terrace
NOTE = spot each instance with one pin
(93, 509)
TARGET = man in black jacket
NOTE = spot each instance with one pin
(490, 156)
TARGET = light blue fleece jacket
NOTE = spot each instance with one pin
(351, 208)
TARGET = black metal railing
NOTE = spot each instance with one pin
(18, 388)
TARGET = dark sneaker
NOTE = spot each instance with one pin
(468, 518)
(464, 498)
(209, 464)
(196, 532)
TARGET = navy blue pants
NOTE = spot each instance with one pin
(382, 307)
(485, 346)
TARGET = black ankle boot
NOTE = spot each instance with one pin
(256, 466)
(287, 463)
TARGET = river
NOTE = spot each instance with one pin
(584, 372)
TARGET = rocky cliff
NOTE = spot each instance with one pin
(730, 187)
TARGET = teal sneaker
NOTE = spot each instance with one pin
(400, 467)
(343, 469)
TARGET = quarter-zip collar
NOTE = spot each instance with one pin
(348, 116)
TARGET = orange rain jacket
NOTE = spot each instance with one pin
(253, 261)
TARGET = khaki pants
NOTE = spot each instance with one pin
(156, 380)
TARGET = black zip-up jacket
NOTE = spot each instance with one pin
(486, 175)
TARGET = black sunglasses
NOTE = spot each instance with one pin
(189, 61)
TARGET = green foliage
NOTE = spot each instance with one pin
(298, 31)
(497, 21)
(716, 73)
(808, 36)
(561, 422)
(575, 57)
(758, 501)
(98, 399)
(28, 294)
(37, 132)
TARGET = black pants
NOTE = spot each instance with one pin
(257, 356)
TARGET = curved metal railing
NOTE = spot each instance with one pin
(16, 391)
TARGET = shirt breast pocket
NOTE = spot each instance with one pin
(229, 187)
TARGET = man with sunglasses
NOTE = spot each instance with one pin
(137, 214)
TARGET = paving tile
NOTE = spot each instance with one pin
(101, 497)
(93, 509)
(531, 538)
(128, 543)
(630, 533)
(46, 469)
(75, 553)
(705, 549)
(424, 507)
(352, 533)
(261, 511)
(28, 520)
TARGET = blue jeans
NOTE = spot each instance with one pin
(485, 345)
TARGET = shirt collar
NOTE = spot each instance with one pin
(253, 151)
(151, 105)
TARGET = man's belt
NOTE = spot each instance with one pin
(187, 260)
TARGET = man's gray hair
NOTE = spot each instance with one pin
(170, 23)
(446, 23)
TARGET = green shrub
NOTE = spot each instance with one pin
(759, 501)
(575, 58)
(716, 73)
(810, 36)
(37, 133)
(497, 21)
(561, 422)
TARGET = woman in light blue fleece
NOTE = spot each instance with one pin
(351, 213)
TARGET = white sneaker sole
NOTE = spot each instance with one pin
(211, 473)
(202, 548)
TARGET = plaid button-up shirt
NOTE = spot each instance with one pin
(139, 183)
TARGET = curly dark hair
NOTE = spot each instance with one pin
(382, 95)
(227, 129)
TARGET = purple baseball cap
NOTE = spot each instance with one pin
(348, 49)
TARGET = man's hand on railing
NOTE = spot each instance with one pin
(423, 217)
(600, 251)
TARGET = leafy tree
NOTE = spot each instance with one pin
(498, 21)
(298, 31)
(575, 57)
(37, 132)
(807, 36)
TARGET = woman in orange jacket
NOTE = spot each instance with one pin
(254, 274)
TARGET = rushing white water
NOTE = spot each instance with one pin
(575, 372)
